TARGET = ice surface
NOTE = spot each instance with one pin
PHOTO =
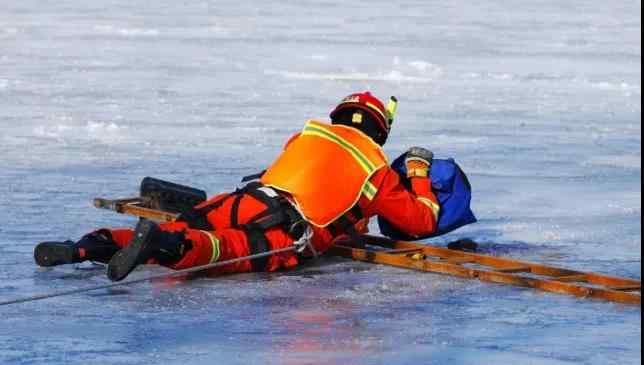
(540, 102)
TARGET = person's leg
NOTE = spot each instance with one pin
(228, 244)
(175, 246)
(98, 246)
(122, 236)
(228, 241)
(190, 247)
(153, 244)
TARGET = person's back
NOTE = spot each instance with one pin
(326, 161)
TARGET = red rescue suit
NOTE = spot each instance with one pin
(381, 194)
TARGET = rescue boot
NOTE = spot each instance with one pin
(149, 242)
(97, 246)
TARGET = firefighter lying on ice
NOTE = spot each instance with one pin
(329, 180)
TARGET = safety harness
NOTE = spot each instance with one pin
(279, 212)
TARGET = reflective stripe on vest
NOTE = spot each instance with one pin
(369, 190)
(326, 169)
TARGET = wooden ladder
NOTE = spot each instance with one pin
(492, 269)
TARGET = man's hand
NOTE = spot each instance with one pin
(418, 162)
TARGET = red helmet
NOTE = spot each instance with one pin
(378, 123)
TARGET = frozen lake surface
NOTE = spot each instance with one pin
(540, 102)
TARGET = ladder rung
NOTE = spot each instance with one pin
(458, 260)
(627, 288)
(580, 278)
(514, 269)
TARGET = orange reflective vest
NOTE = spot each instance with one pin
(326, 169)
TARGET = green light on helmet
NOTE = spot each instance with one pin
(392, 108)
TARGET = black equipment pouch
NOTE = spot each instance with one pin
(170, 197)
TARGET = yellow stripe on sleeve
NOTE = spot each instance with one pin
(436, 209)
(369, 190)
(216, 252)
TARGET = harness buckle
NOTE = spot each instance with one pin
(305, 239)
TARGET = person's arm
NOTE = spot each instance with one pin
(414, 213)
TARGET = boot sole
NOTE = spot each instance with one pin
(127, 259)
(48, 254)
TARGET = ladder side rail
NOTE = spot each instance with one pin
(506, 263)
(486, 276)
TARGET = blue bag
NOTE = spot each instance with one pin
(454, 193)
